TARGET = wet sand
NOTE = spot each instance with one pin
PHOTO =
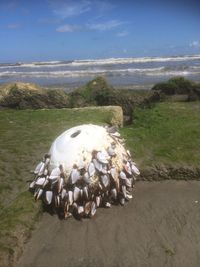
(159, 227)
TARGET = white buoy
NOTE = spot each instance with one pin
(86, 167)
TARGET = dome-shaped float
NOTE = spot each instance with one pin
(87, 167)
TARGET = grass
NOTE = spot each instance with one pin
(168, 134)
(25, 137)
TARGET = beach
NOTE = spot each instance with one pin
(132, 67)
(159, 227)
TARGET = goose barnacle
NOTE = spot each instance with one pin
(128, 182)
(113, 192)
(40, 181)
(32, 185)
(134, 169)
(85, 193)
(75, 174)
(98, 201)
(122, 175)
(98, 165)
(63, 193)
(48, 197)
(86, 167)
(93, 209)
(91, 169)
(39, 167)
(38, 193)
(76, 193)
(127, 168)
(70, 197)
(105, 180)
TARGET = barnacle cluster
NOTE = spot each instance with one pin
(87, 167)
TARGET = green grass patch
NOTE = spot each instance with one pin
(169, 133)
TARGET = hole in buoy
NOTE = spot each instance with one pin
(75, 134)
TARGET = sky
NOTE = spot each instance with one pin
(88, 29)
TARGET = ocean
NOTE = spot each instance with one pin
(139, 72)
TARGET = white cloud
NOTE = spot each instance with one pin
(105, 26)
(122, 34)
(69, 8)
(195, 44)
(68, 28)
(108, 25)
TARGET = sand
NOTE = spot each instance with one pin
(160, 227)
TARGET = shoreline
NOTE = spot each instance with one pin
(68, 87)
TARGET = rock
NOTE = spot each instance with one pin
(100, 93)
(31, 96)
(176, 87)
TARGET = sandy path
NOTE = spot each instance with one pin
(160, 227)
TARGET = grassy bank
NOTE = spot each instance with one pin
(167, 134)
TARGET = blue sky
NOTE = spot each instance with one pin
(81, 29)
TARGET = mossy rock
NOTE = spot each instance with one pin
(176, 86)
(98, 92)
(31, 96)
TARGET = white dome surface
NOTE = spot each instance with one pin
(75, 146)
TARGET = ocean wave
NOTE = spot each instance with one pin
(161, 71)
(46, 62)
(172, 73)
(76, 73)
(97, 62)
(111, 61)
(35, 65)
